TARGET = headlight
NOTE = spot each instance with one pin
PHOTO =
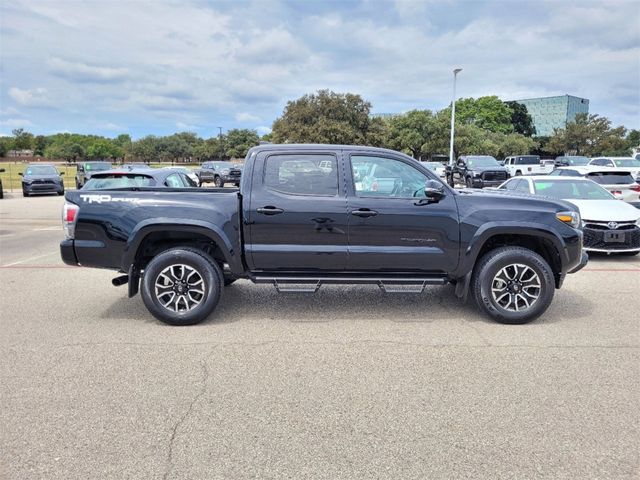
(225, 171)
(570, 218)
(476, 174)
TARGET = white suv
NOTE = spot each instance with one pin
(527, 165)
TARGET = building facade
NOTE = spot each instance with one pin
(549, 113)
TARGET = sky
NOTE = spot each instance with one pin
(127, 66)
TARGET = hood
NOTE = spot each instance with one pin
(497, 168)
(606, 210)
(534, 199)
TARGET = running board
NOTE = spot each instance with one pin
(306, 284)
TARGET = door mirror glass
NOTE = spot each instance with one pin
(433, 190)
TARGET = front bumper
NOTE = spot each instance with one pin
(594, 240)
(35, 188)
(230, 178)
(584, 259)
(480, 183)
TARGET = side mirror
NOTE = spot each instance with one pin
(461, 163)
(1, 170)
(433, 190)
(61, 173)
(20, 173)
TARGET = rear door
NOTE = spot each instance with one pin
(389, 228)
(297, 214)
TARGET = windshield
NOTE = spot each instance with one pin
(41, 170)
(576, 161)
(97, 166)
(119, 180)
(482, 162)
(627, 163)
(433, 165)
(571, 189)
(611, 178)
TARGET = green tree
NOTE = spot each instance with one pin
(412, 131)
(324, 117)
(207, 149)
(23, 140)
(633, 140)
(489, 113)
(104, 149)
(6, 144)
(589, 135)
(520, 119)
(146, 149)
(40, 144)
(237, 142)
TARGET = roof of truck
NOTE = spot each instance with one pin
(320, 146)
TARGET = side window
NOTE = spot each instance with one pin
(302, 174)
(386, 177)
(511, 184)
(173, 181)
(187, 181)
(523, 186)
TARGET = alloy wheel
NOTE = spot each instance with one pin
(516, 287)
(179, 288)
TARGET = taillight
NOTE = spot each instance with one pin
(635, 188)
(69, 215)
(374, 187)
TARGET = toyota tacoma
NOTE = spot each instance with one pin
(308, 215)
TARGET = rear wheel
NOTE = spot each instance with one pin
(513, 285)
(181, 286)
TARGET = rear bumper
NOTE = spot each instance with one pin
(67, 253)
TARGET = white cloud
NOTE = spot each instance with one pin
(83, 72)
(246, 117)
(186, 127)
(263, 130)
(16, 123)
(36, 97)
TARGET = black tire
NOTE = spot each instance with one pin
(486, 272)
(78, 186)
(518, 173)
(468, 182)
(61, 193)
(25, 193)
(450, 181)
(197, 260)
(218, 182)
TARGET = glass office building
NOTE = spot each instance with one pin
(554, 112)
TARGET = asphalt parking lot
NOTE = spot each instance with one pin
(349, 383)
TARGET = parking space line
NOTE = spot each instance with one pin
(44, 267)
(29, 259)
(611, 270)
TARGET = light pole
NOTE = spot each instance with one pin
(220, 143)
(453, 114)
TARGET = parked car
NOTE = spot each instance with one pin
(135, 165)
(626, 163)
(180, 247)
(527, 165)
(188, 172)
(86, 169)
(572, 161)
(137, 178)
(619, 182)
(477, 171)
(219, 173)
(439, 168)
(39, 178)
(1, 190)
(609, 225)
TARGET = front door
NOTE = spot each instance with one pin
(297, 215)
(392, 228)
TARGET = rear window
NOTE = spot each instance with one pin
(302, 174)
(611, 178)
(128, 180)
(528, 160)
(570, 189)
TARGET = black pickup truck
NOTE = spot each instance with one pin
(308, 215)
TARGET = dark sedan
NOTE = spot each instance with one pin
(142, 177)
(39, 179)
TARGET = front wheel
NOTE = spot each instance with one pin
(469, 183)
(450, 181)
(181, 286)
(513, 285)
(218, 182)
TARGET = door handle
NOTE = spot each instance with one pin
(364, 213)
(269, 210)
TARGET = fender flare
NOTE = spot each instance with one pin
(208, 229)
(469, 257)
